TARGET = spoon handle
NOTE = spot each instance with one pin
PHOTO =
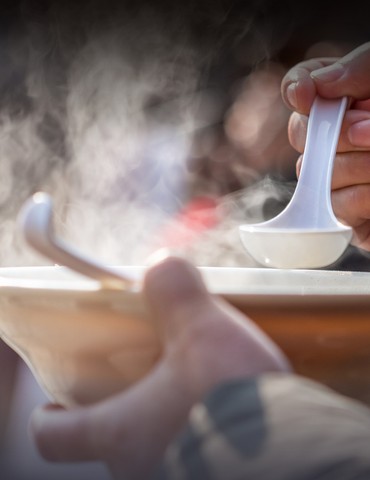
(35, 223)
(314, 183)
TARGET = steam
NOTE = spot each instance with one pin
(119, 119)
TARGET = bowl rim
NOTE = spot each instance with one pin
(75, 286)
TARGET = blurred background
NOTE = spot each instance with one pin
(153, 125)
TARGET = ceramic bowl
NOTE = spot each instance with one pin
(84, 343)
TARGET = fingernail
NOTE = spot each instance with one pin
(328, 74)
(291, 94)
(40, 414)
(171, 282)
(359, 134)
(157, 257)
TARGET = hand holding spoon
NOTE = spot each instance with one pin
(306, 234)
(35, 222)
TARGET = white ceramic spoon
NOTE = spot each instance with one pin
(35, 223)
(306, 234)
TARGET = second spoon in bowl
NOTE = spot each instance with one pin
(36, 225)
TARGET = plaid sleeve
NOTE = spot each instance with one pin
(275, 427)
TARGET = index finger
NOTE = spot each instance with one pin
(298, 89)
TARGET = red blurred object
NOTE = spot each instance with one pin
(199, 215)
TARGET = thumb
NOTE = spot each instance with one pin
(176, 295)
(206, 328)
(349, 76)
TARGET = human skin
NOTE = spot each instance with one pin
(334, 78)
(205, 341)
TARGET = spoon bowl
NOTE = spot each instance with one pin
(306, 234)
(279, 248)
